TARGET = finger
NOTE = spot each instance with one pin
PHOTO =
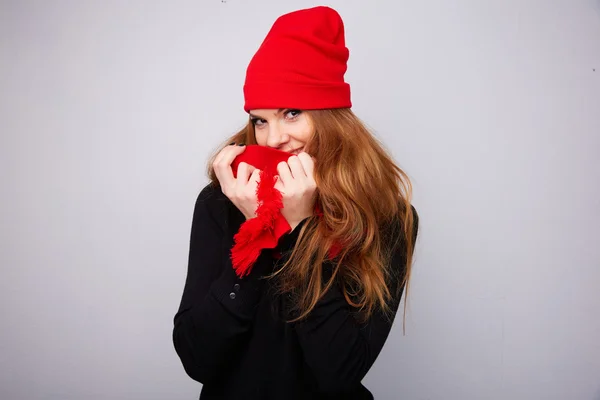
(222, 171)
(251, 169)
(224, 150)
(254, 176)
(242, 173)
(228, 154)
(296, 168)
(285, 175)
(253, 180)
(233, 152)
(278, 184)
(308, 163)
(222, 163)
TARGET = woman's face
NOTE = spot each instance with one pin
(285, 129)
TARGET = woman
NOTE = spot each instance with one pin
(310, 317)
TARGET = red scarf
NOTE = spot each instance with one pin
(264, 231)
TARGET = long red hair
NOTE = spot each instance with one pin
(360, 191)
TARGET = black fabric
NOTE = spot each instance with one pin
(231, 336)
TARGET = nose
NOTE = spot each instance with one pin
(276, 136)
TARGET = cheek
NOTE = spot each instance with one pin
(260, 137)
(302, 131)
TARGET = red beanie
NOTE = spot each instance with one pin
(300, 64)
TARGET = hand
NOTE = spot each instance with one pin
(297, 185)
(241, 190)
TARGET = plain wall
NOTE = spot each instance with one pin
(110, 109)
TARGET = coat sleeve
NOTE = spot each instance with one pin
(217, 308)
(338, 349)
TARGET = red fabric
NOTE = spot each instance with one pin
(300, 64)
(264, 231)
(261, 157)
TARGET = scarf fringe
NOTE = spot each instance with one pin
(262, 232)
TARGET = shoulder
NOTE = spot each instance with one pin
(210, 194)
(394, 229)
(415, 222)
(213, 204)
(396, 243)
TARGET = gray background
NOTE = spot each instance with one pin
(109, 109)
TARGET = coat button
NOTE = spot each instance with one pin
(232, 295)
(236, 287)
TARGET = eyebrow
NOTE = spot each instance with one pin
(259, 117)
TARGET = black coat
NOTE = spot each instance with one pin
(231, 336)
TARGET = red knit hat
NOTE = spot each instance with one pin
(300, 64)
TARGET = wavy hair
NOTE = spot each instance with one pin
(362, 194)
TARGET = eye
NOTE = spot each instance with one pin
(292, 114)
(258, 122)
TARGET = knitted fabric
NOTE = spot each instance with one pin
(263, 231)
(300, 64)
(269, 225)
